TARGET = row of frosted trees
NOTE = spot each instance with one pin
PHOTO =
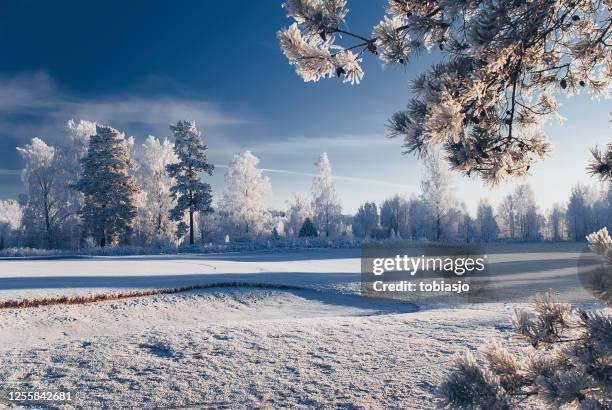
(99, 188)
(437, 215)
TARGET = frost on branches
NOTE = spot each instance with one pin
(245, 200)
(503, 64)
(566, 364)
(154, 211)
(109, 189)
(325, 205)
(44, 211)
(191, 193)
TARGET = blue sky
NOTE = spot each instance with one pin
(140, 65)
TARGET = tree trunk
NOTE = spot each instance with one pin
(191, 238)
(48, 223)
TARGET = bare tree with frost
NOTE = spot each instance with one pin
(436, 194)
(153, 158)
(325, 205)
(245, 200)
(45, 206)
(366, 221)
(486, 225)
(503, 66)
(10, 222)
(109, 189)
(191, 193)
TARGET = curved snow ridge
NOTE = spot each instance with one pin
(101, 297)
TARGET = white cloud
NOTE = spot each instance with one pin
(36, 96)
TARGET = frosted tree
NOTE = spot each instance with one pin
(366, 220)
(462, 225)
(109, 189)
(528, 220)
(518, 215)
(503, 66)
(10, 222)
(436, 193)
(247, 193)
(72, 149)
(298, 209)
(191, 193)
(578, 213)
(506, 215)
(45, 206)
(486, 224)
(75, 146)
(325, 205)
(153, 158)
(394, 215)
(556, 223)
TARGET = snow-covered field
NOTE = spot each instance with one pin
(316, 345)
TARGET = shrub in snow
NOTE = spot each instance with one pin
(568, 363)
(308, 229)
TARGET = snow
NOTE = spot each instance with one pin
(319, 345)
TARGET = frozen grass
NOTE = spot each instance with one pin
(235, 246)
(102, 297)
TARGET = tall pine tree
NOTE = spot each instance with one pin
(191, 193)
(108, 187)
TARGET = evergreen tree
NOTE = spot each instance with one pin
(191, 193)
(308, 229)
(108, 187)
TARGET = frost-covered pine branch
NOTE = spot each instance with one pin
(487, 101)
(567, 364)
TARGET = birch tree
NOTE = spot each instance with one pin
(44, 210)
(247, 194)
(153, 157)
(325, 204)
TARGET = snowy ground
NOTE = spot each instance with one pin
(317, 346)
